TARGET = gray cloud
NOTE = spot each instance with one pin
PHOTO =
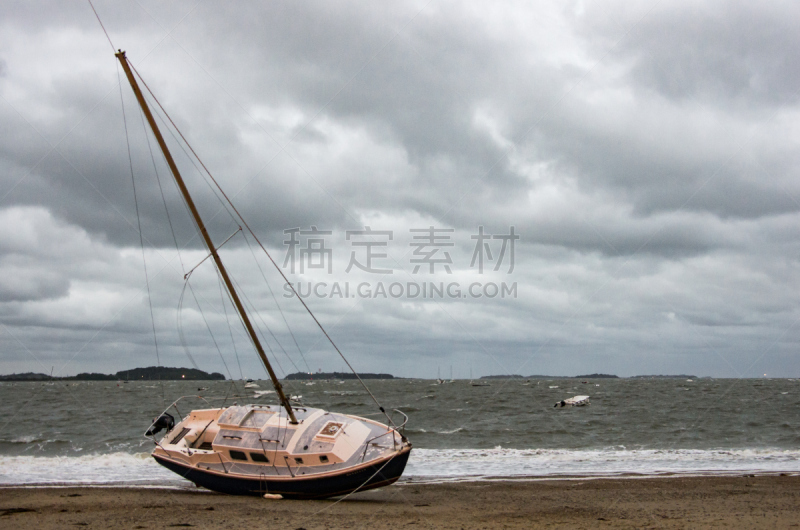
(646, 156)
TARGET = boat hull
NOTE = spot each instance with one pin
(378, 473)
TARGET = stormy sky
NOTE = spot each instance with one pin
(646, 156)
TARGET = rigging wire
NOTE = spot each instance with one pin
(188, 274)
(252, 309)
(181, 333)
(241, 218)
(163, 197)
(174, 238)
(274, 298)
(275, 338)
(233, 218)
(183, 269)
(104, 28)
(208, 327)
(209, 255)
(169, 128)
(139, 226)
(190, 158)
(230, 330)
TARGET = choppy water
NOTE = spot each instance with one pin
(92, 431)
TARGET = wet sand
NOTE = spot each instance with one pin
(770, 501)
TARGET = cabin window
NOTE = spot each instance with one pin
(238, 455)
(323, 459)
(298, 460)
(259, 457)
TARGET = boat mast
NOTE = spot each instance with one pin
(203, 232)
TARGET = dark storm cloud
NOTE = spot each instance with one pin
(412, 80)
(417, 87)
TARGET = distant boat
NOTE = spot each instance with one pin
(439, 380)
(577, 401)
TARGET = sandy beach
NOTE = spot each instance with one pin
(770, 501)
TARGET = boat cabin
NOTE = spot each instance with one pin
(260, 439)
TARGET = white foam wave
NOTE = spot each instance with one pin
(450, 432)
(22, 439)
(112, 468)
(499, 462)
(429, 464)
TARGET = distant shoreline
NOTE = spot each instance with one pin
(307, 376)
(155, 373)
(151, 373)
(593, 376)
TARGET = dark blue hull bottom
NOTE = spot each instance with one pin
(362, 479)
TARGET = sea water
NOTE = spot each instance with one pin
(92, 432)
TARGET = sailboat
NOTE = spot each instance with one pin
(270, 450)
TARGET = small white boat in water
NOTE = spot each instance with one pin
(576, 401)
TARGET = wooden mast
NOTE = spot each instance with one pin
(203, 232)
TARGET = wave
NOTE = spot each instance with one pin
(33, 443)
(110, 468)
(138, 469)
(459, 429)
(479, 464)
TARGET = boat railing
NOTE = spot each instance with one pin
(173, 405)
(399, 429)
(402, 427)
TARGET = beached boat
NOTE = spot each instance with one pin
(576, 401)
(279, 449)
